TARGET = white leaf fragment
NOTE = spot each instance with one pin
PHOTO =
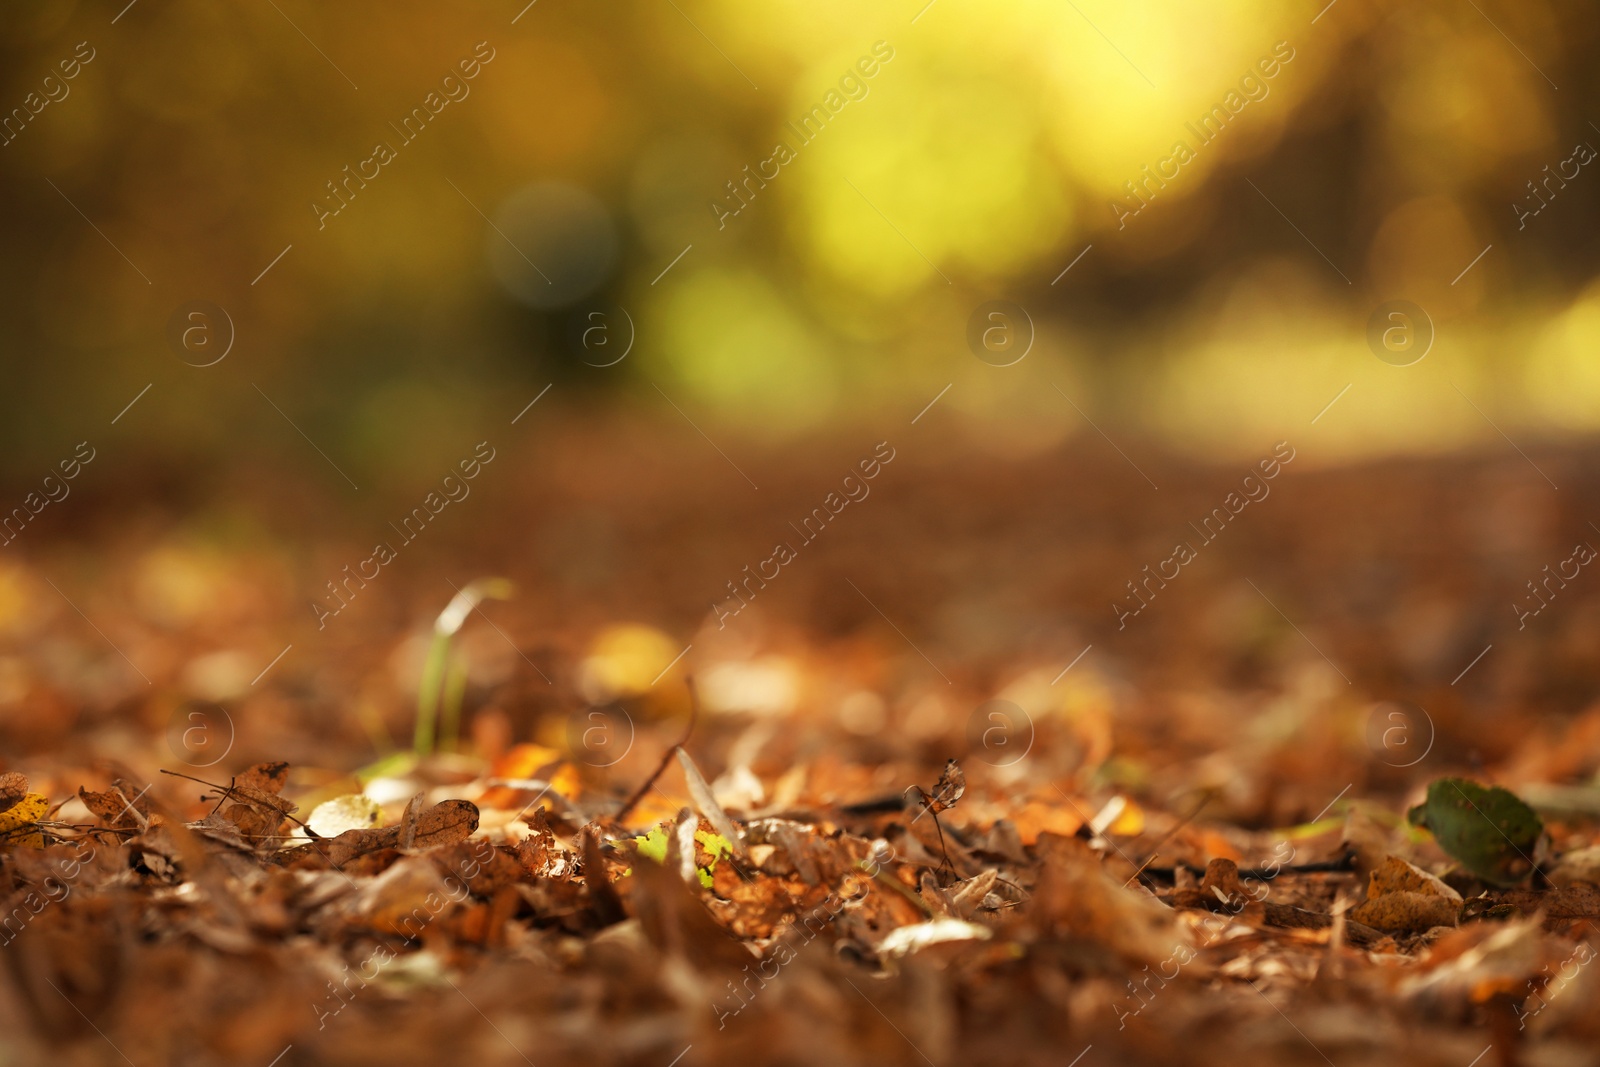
(918, 936)
(353, 811)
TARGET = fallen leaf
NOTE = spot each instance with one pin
(445, 823)
(408, 821)
(405, 899)
(353, 811)
(1077, 898)
(969, 896)
(1037, 817)
(18, 823)
(352, 843)
(1578, 901)
(1407, 912)
(482, 867)
(257, 809)
(907, 940)
(655, 845)
(951, 787)
(705, 802)
(13, 787)
(110, 807)
(1579, 865)
(1487, 829)
(525, 771)
(268, 778)
(1395, 875)
(1479, 961)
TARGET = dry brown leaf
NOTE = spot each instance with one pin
(796, 844)
(602, 895)
(267, 777)
(256, 808)
(408, 821)
(482, 867)
(110, 807)
(951, 787)
(537, 852)
(406, 899)
(969, 896)
(352, 843)
(1076, 897)
(907, 940)
(13, 787)
(1406, 912)
(1480, 961)
(1395, 875)
(445, 823)
(1579, 901)
(1404, 898)
(257, 813)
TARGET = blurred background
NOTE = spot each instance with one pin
(990, 147)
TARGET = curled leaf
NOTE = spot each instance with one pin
(950, 787)
(1401, 897)
(13, 787)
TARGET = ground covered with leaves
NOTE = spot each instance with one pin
(539, 795)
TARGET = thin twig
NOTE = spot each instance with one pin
(1344, 864)
(88, 829)
(882, 875)
(1205, 799)
(233, 794)
(927, 805)
(666, 757)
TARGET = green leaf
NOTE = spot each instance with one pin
(653, 846)
(441, 678)
(715, 844)
(1487, 829)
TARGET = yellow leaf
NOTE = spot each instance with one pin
(1037, 817)
(656, 807)
(1130, 823)
(626, 660)
(18, 823)
(566, 782)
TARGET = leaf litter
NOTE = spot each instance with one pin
(780, 887)
(742, 932)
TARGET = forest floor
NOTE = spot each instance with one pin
(983, 769)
